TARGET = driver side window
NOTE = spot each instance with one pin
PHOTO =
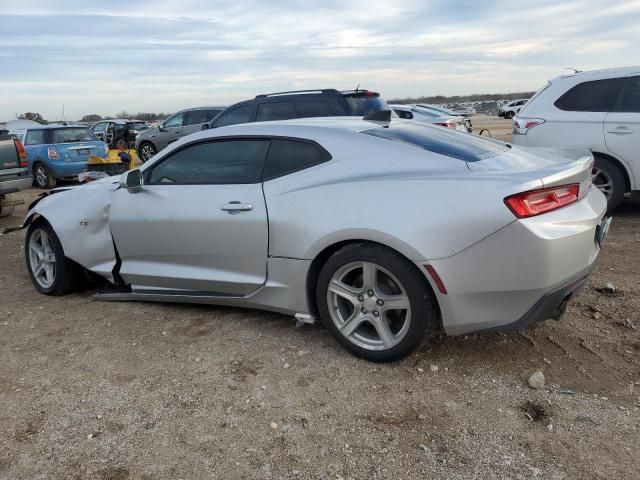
(175, 121)
(212, 163)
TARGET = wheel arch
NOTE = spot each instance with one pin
(621, 165)
(323, 255)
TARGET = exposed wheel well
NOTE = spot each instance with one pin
(320, 259)
(627, 180)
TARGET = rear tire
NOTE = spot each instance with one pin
(50, 271)
(509, 115)
(609, 179)
(42, 177)
(387, 309)
(8, 210)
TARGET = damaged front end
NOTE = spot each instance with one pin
(80, 218)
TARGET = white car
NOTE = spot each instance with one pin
(511, 109)
(424, 115)
(599, 110)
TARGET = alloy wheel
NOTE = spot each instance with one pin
(42, 258)
(146, 152)
(42, 177)
(603, 181)
(369, 306)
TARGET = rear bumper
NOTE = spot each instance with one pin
(66, 169)
(523, 272)
(12, 186)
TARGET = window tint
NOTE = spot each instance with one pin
(69, 135)
(469, 148)
(235, 116)
(221, 162)
(35, 137)
(318, 108)
(365, 105)
(275, 111)
(593, 96)
(175, 121)
(403, 114)
(630, 99)
(195, 117)
(288, 156)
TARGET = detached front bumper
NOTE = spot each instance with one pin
(15, 185)
(524, 273)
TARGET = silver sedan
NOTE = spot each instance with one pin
(385, 231)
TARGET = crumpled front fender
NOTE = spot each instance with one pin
(80, 218)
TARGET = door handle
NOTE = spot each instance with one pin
(621, 131)
(233, 207)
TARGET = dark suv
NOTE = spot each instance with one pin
(301, 104)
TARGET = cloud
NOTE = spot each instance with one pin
(164, 55)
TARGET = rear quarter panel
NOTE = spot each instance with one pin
(422, 204)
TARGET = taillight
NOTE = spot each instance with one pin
(446, 124)
(53, 153)
(22, 154)
(522, 125)
(535, 202)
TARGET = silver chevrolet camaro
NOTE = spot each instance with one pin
(386, 231)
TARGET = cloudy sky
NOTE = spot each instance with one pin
(157, 55)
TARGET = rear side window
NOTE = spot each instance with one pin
(629, 100)
(35, 137)
(275, 111)
(318, 108)
(69, 135)
(195, 117)
(404, 114)
(213, 163)
(288, 156)
(365, 105)
(593, 96)
(469, 148)
(234, 117)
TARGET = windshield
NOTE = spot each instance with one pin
(73, 134)
(365, 105)
(469, 148)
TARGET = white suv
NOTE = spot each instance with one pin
(599, 110)
(511, 109)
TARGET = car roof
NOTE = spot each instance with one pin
(211, 107)
(622, 71)
(55, 126)
(351, 124)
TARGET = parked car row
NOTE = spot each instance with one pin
(598, 110)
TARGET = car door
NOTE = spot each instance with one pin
(170, 130)
(622, 126)
(99, 130)
(199, 223)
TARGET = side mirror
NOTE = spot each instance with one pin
(205, 126)
(132, 181)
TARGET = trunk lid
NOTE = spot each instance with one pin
(80, 151)
(553, 167)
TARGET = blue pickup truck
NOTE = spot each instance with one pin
(60, 152)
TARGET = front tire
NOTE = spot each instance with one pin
(42, 177)
(147, 151)
(509, 115)
(375, 302)
(50, 271)
(609, 179)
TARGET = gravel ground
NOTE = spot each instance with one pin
(151, 391)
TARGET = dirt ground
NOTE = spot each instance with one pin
(116, 391)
